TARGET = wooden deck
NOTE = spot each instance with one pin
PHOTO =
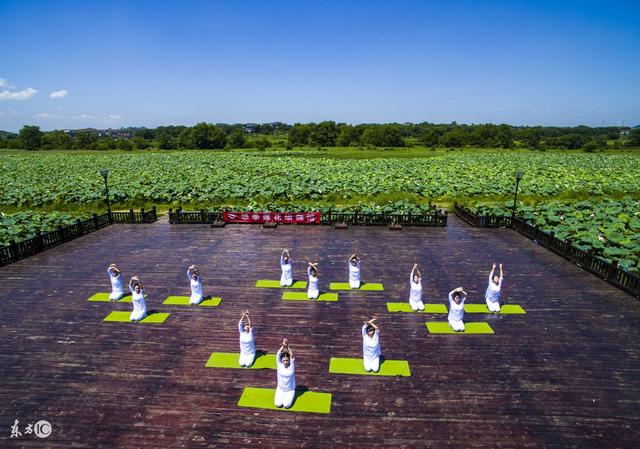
(566, 374)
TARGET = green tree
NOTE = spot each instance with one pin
(324, 134)
(348, 135)
(185, 139)
(299, 135)
(382, 136)
(236, 139)
(206, 136)
(30, 137)
(84, 140)
(57, 140)
(165, 140)
(140, 143)
(454, 138)
(634, 138)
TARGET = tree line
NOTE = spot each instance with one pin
(327, 134)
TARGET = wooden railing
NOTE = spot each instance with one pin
(434, 218)
(609, 271)
(25, 248)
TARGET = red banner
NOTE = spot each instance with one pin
(272, 217)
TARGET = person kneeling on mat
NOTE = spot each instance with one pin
(115, 275)
(456, 309)
(312, 272)
(286, 279)
(286, 389)
(354, 271)
(195, 280)
(137, 297)
(371, 346)
(415, 292)
(247, 348)
(492, 295)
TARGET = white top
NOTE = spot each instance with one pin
(286, 376)
(416, 289)
(313, 280)
(287, 269)
(116, 281)
(138, 300)
(246, 339)
(354, 272)
(196, 284)
(370, 346)
(456, 311)
(493, 290)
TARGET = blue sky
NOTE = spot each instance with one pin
(145, 63)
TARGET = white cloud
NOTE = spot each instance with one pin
(113, 117)
(3, 83)
(24, 94)
(42, 115)
(84, 117)
(59, 94)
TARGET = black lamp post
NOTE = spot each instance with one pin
(105, 174)
(515, 196)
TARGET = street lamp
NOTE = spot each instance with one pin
(105, 174)
(515, 196)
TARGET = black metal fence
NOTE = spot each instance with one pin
(609, 271)
(25, 248)
(434, 218)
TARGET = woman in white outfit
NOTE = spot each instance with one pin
(247, 348)
(354, 271)
(286, 280)
(137, 297)
(492, 295)
(286, 389)
(371, 346)
(196, 285)
(115, 275)
(415, 293)
(312, 271)
(456, 309)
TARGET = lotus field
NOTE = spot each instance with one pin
(555, 184)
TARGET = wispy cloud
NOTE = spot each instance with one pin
(59, 94)
(20, 95)
(113, 117)
(3, 83)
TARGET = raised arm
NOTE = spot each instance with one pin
(415, 271)
(493, 269)
(241, 324)
(246, 314)
(501, 273)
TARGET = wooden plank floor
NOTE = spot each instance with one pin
(566, 374)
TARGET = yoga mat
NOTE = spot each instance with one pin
(104, 297)
(266, 283)
(184, 301)
(305, 401)
(363, 286)
(230, 360)
(443, 327)
(354, 366)
(123, 317)
(506, 309)
(405, 307)
(302, 296)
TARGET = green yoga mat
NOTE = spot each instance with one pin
(266, 283)
(184, 301)
(443, 327)
(405, 307)
(104, 297)
(339, 365)
(230, 360)
(363, 286)
(301, 296)
(305, 401)
(507, 309)
(123, 317)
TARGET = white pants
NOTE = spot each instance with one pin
(137, 315)
(417, 305)
(313, 294)
(494, 306)
(247, 359)
(456, 325)
(354, 284)
(284, 398)
(195, 299)
(116, 295)
(372, 365)
(285, 281)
